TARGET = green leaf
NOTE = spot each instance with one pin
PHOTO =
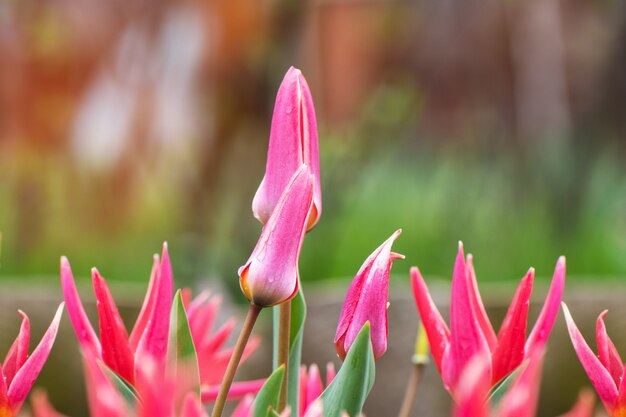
(354, 380)
(127, 391)
(267, 398)
(181, 349)
(497, 391)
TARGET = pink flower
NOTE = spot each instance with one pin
(311, 386)
(293, 142)
(270, 276)
(606, 371)
(19, 371)
(148, 340)
(367, 299)
(471, 333)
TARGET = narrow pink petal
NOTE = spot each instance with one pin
(472, 390)
(584, 406)
(152, 346)
(621, 392)
(157, 393)
(212, 372)
(270, 276)
(244, 408)
(197, 302)
(293, 142)
(82, 327)
(19, 350)
(238, 390)
(330, 373)
(147, 306)
(522, 397)
(4, 396)
(314, 386)
(436, 328)
(509, 352)
(211, 344)
(27, 374)
(367, 299)
(466, 337)
(302, 393)
(607, 353)
(192, 407)
(41, 406)
(116, 352)
(202, 318)
(599, 376)
(103, 398)
(543, 326)
(479, 308)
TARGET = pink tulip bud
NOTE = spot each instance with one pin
(293, 142)
(270, 276)
(367, 301)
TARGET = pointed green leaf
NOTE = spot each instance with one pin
(497, 391)
(354, 380)
(181, 349)
(267, 398)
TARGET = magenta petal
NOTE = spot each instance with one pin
(472, 390)
(509, 352)
(314, 386)
(330, 373)
(116, 352)
(27, 374)
(293, 142)
(244, 408)
(479, 308)
(607, 353)
(152, 347)
(367, 299)
(436, 328)
(237, 390)
(18, 352)
(467, 340)
(598, 374)
(82, 327)
(147, 306)
(103, 398)
(543, 326)
(270, 276)
(192, 407)
(522, 397)
(4, 395)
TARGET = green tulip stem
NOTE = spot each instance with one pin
(284, 327)
(229, 376)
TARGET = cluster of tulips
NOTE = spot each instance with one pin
(173, 363)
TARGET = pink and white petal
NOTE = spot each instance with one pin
(509, 352)
(18, 352)
(436, 328)
(600, 377)
(82, 327)
(607, 353)
(543, 326)
(27, 374)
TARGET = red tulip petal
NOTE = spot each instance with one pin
(192, 407)
(479, 308)
(147, 306)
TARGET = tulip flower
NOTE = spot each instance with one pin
(367, 300)
(293, 142)
(124, 353)
(606, 371)
(471, 333)
(19, 371)
(270, 276)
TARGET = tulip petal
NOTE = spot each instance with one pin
(82, 327)
(116, 353)
(18, 352)
(293, 142)
(543, 326)
(472, 390)
(330, 373)
(237, 390)
(270, 276)
(466, 337)
(436, 328)
(152, 347)
(522, 397)
(607, 353)
(27, 374)
(314, 386)
(479, 308)
(599, 376)
(103, 398)
(509, 352)
(4, 395)
(192, 407)
(244, 408)
(366, 300)
(146, 307)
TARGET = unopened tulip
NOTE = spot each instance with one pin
(293, 142)
(270, 276)
(367, 301)
(606, 370)
(471, 333)
(19, 371)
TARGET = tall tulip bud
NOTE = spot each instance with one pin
(367, 301)
(270, 276)
(293, 142)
